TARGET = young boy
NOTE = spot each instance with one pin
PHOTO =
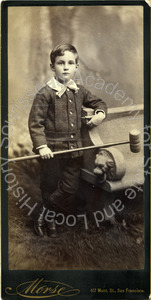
(55, 124)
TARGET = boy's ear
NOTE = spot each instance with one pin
(52, 67)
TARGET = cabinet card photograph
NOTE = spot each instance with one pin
(75, 150)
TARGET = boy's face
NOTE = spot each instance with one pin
(65, 66)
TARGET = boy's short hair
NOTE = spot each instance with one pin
(59, 51)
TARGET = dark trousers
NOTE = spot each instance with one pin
(59, 180)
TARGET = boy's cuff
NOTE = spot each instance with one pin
(100, 110)
(42, 146)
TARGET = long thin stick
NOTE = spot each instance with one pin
(69, 151)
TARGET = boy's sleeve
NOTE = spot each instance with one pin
(36, 123)
(94, 102)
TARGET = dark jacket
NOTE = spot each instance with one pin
(57, 121)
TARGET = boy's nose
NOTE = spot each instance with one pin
(65, 67)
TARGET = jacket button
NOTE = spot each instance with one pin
(71, 147)
(72, 124)
(70, 100)
(71, 112)
(67, 90)
(71, 136)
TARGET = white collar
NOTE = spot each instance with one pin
(61, 88)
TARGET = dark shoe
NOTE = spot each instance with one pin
(39, 223)
(39, 227)
(51, 229)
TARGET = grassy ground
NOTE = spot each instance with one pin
(116, 245)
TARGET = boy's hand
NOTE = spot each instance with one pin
(45, 153)
(96, 119)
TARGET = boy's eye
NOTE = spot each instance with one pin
(71, 62)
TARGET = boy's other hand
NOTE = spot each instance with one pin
(96, 119)
(45, 153)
